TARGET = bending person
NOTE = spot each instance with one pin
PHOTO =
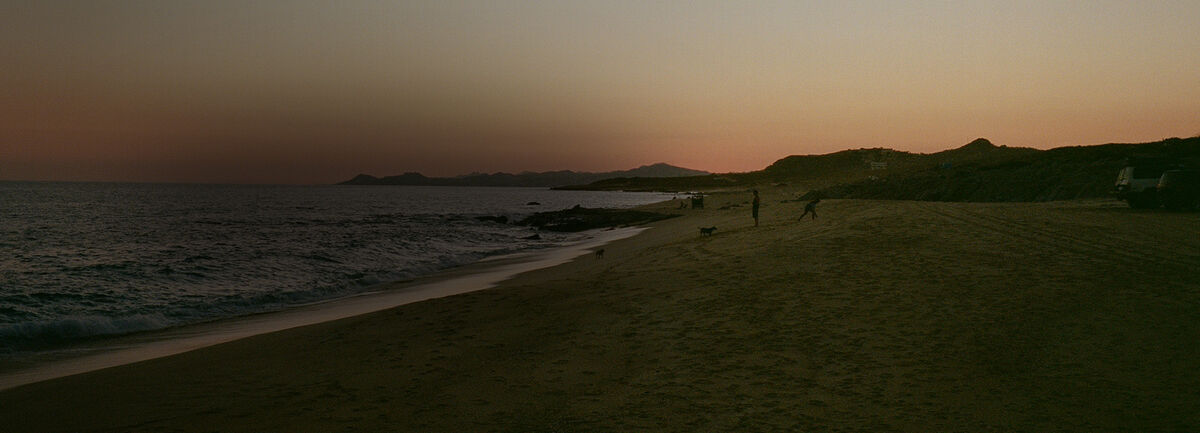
(811, 207)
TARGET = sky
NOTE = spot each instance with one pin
(312, 92)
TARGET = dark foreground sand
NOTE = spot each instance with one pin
(878, 316)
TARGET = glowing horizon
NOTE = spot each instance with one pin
(223, 91)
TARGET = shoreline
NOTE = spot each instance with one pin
(481, 275)
(154, 258)
(877, 316)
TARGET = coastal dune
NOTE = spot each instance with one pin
(876, 316)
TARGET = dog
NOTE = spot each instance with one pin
(600, 253)
(707, 231)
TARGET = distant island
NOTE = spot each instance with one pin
(526, 179)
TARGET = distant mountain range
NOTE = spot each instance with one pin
(526, 179)
(978, 171)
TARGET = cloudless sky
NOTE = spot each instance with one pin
(318, 91)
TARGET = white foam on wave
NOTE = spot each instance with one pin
(68, 328)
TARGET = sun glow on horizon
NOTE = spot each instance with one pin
(308, 93)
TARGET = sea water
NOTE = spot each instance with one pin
(80, 261)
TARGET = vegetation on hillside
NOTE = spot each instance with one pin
(1063, 173)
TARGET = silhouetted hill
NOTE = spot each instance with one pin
(977, 171)
(1062, 173)
(526, 179)
(809, 172)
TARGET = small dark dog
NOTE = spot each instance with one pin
(707, 231)
(600, 253)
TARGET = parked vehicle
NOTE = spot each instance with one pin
(1179, 189)
(1137, 184)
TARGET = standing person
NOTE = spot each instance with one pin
(754, 208)
(811, 207)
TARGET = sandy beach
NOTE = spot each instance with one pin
(877, 316)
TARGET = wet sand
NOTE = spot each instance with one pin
(877, 316)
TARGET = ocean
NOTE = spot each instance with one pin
(81, 261)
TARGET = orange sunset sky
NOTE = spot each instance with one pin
(316, 92)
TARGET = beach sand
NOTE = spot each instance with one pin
(877, 316)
